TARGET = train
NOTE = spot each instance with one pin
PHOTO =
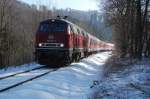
(59, 41)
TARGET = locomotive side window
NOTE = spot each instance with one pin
(74, 29)
(83, 33)
(71, 28)
(78, 31)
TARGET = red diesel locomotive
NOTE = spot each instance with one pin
(60, 41)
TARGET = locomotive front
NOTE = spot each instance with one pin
(51, 42)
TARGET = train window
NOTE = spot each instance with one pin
(82, 33)
(86, 35)
(52, 27)
(44, 28)
(71, 28)
(78, 31)
(75, 30)
(58, 27)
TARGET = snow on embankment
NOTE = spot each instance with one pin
(72, 82)
(131, 83)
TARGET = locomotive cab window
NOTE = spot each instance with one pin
(44, 28)
(52, 27)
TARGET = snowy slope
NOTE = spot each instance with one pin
(73, 82)
(131, 83)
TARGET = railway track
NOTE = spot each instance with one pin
(27, 80)
(18, 73)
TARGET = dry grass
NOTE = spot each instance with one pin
(115, 64)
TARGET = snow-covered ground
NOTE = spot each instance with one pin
(72, 82)
(131, 83)
(16, 69)
(83, 80)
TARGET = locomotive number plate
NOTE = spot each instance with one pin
(50, 37)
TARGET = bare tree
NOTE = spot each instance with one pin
(129, 19)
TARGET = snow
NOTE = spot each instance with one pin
(19, 78)
(131, 83)
(82, 80)
(72, 82)
(15, 69)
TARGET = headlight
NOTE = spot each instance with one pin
(61, 45)
(40, 44)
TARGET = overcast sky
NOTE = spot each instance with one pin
(74, 4)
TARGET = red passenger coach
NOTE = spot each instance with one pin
(60, 41)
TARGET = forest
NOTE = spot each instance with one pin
(130, 20)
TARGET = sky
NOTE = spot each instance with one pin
(73, 4)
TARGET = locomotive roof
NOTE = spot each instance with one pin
(53, 20)
(60, 20)
(63, 21)
(68, 22)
